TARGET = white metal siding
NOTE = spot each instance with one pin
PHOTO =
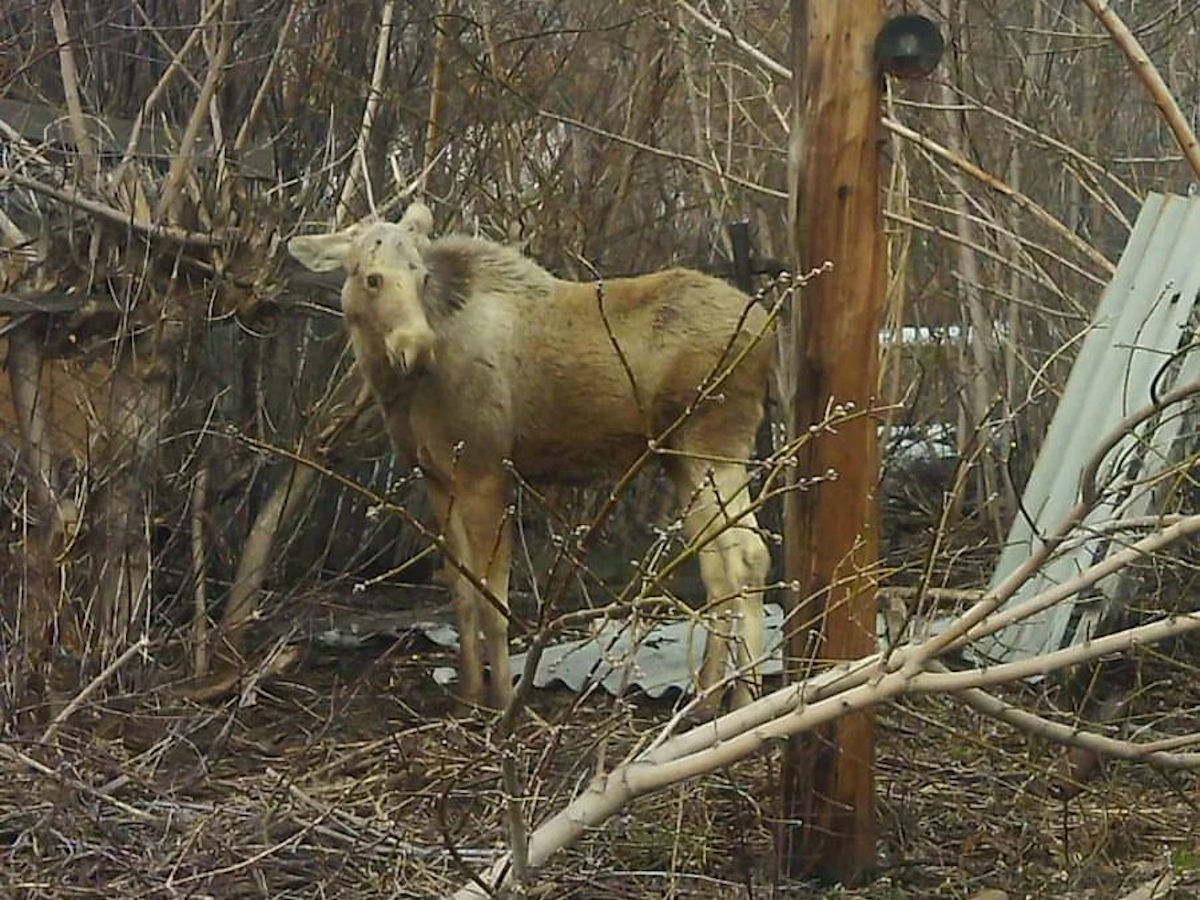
(1142, 319)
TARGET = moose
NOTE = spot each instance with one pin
(483, 363)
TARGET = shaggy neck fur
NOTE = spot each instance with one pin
(461, 268)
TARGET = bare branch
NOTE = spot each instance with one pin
(666, 154)
(164, 81)
(182, 159)
(1148, 75)
(436, 77)
(149, 229)
(138, 646)
(246, 128)
(70, 80)
(374, 94)
(904, 131)
(1031, 723)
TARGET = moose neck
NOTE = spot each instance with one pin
(465, 270)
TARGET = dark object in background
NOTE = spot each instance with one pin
(739, 240)
(746, 264)
(908, 46)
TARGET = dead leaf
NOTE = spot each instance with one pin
(1154, 889)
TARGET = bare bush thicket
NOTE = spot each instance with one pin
(182, 435)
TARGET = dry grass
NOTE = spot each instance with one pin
(356, 778)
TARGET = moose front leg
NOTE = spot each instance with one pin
(478, 536)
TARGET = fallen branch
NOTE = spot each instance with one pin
(200, 630)
(653, 771)
(1031, 723)
(114, 215)
(111, 669)
(859, 684)
(15, 755)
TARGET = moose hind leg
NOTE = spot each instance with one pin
(750, 563)
(734, 564)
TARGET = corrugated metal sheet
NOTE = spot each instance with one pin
(1147, 314)
(661, 659)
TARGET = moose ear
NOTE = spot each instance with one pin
(321, 252)
(417, 219)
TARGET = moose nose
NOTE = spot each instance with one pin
(410, 349)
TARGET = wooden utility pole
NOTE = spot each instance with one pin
(832, 528)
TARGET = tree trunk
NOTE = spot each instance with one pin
(832, 532)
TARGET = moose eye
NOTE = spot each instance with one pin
(374, 281)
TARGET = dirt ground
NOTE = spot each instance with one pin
(356, 776)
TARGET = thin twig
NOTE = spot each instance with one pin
(264, 88)
(173, 68)
(200, 638)
(106, 673)
(181, 160)
(647, 425)
(149, 229)
(1147, 74)
(374, 94)
(970, 168)
(70, 82)
(665, 154)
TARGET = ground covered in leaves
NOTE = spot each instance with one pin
(357, 777)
